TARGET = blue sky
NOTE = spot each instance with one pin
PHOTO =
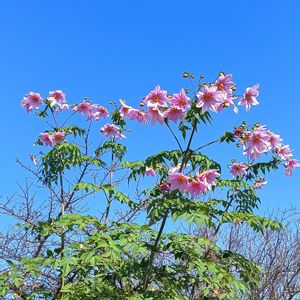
(108, 50)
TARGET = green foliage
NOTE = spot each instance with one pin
(117, 119)
(75, 130)
(87, 186)
(162, 161)
(117, 149)
(109, 263)
(263, 167)
(257, 223)
(201, 213)
(227, 137)
(111, 191)
(202, 162)
(194, 116)
(241, 193)
(59, 158)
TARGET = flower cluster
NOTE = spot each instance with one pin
(219, 95)
(215, 97)
(239, 169)
(55, 98)
(258, 141)
(160, 106)
(57, 101)
(197, 185)
(93, 111)
(52, 139)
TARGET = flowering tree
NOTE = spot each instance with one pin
(129, 251)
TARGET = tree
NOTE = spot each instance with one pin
(59, 250)
(276, 252)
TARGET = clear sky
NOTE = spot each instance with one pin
(108, 50)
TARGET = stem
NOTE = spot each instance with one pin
(62, 245)
(68, 119)
(43, 240)
(175, 137)
(208, 251)
(214, 236)
(193, 288)
(163, 223)
(225, 211)
(189, 143)
(153, 251)
(191, 82)
(109, 201)
(18, 292)
(56, 125)
(208, 144)
(62, 213)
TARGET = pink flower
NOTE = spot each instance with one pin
(45, 139)
(209, 97)
(224, 83)
(31, 101)
(274, 140)
(164, 187)
(101, 110)
(111, 130)
(125, 109)
(121, 136)
(196, 187)
(209, 177)
(290, 165)
(227, 102)
(136, 114)
(257, 143)
(83, 107)
(259, 183)
(284, 152)
(178, 181)
(97, 112)
(174, 113)
(150, 172)
(156, 114)
(56, 97)
(156, 97)
(238, 169)
(249, 98)
(52, 139)
(181, 100)
(61, 107)
(178, 167)
(57, 137)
